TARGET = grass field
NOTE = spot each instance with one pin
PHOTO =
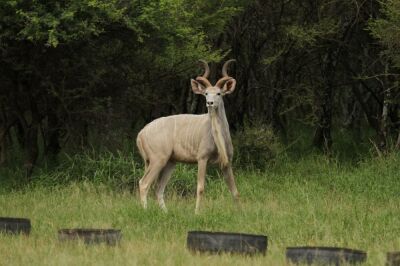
(309, 201)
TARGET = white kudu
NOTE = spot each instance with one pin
(189, 138)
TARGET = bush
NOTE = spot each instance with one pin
(256, 146)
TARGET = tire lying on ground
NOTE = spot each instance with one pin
(393, 259)
(219, 242)
(325, 255)
(91, 236)
(15, 225)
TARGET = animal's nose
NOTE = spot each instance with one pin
(210, 103)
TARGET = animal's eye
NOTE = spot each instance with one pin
(206, 93)
(218, 93)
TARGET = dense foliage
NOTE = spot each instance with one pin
(83, 73)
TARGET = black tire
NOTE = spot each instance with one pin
(325, 255)
(15, 225)
(218, 242)
(393, 259)
(91, 236)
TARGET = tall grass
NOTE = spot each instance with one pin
(308, 200)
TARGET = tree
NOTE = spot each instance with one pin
(387, 30)
(67, 65)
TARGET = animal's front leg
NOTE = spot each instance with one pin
(201, 177)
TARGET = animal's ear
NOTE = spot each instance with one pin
(197, 87)
(229, 86)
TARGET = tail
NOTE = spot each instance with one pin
(142, 152)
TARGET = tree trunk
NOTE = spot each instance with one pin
(3, 146)
(3, 137)
(31, 149)
(322, 136)
(372, 119)
(53, 146)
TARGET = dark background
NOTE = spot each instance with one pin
(82, 75)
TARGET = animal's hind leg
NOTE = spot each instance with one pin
(165, 176)
(152, 172)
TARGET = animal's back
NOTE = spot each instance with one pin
(176, 136)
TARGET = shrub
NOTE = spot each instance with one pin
(256, 146)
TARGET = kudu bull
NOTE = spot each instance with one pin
(189, 138)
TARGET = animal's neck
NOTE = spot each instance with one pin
(221, 134)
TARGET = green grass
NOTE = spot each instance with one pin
(309, 201)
